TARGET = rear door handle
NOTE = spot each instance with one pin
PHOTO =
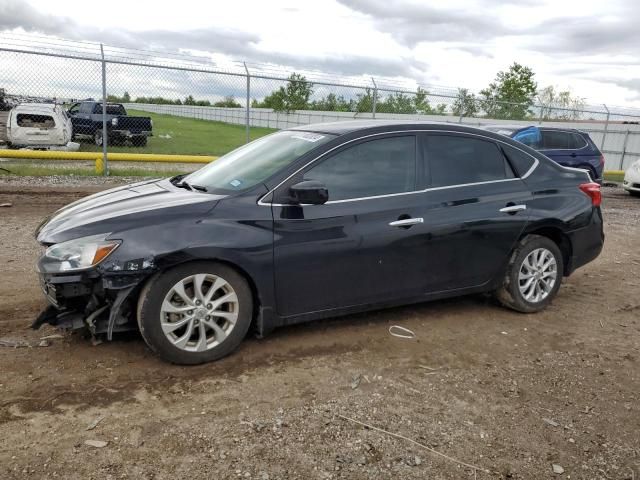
(513, 208)
(406, 222)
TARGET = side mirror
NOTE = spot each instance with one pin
(310, 192)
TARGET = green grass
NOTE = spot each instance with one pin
(189, 136)
(617, 177)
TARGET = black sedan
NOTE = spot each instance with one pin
(315, 222)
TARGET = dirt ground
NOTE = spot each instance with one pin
(511, 394)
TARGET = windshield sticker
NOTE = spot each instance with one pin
(308, 137)
(235, 183)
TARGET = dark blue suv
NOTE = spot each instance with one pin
(566, 146)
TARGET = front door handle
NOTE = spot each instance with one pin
(406, 222)
(513, 209)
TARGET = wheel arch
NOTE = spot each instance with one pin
(256, 293)
(560, 238)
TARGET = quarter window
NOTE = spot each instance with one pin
(368, 169)
(577, 141)
(458, 160)
(520, 161)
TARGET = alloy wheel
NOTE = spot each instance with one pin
(538, 275)
(199, 312)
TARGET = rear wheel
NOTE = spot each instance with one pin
(98, 138)
(195, 313)
(140, 141)
(533, 276)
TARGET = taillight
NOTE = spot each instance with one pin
(592, 190)
(601, 160)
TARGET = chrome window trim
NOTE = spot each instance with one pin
(529, 172)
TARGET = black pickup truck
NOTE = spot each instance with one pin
(86, 118)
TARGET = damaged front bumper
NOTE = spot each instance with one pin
(100, 302)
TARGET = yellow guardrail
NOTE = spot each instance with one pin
(111, 157)
(130, 157)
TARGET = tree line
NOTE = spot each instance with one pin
(512, 95)
(228, 101)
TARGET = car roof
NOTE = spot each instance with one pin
(350, 126)
(36, 107)
(516, 128)
(506, 126)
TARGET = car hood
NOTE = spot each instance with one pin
(122, 208)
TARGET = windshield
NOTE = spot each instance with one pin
(255, 162)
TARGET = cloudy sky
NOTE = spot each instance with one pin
(591, 47)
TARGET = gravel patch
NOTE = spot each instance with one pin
(67, 181)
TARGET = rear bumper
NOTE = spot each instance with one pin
(586, 242)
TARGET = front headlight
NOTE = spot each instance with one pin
(78, 254)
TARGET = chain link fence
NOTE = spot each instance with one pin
(198, 104)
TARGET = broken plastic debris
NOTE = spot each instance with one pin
(96, 443)
(401, 332)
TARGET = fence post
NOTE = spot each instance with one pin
(624, 149)
(247, 120)
(606, 127)
(105, 135)
(541, 115)
(375, 97)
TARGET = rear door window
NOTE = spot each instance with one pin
(556, 140)
(459, 160)
(376, 167)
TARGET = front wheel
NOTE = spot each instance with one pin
(195, 313)
(533, 276)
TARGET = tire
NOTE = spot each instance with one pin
(511, 294)
(634, 194)
(97, 137)
(139, 141)
(164, 328)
